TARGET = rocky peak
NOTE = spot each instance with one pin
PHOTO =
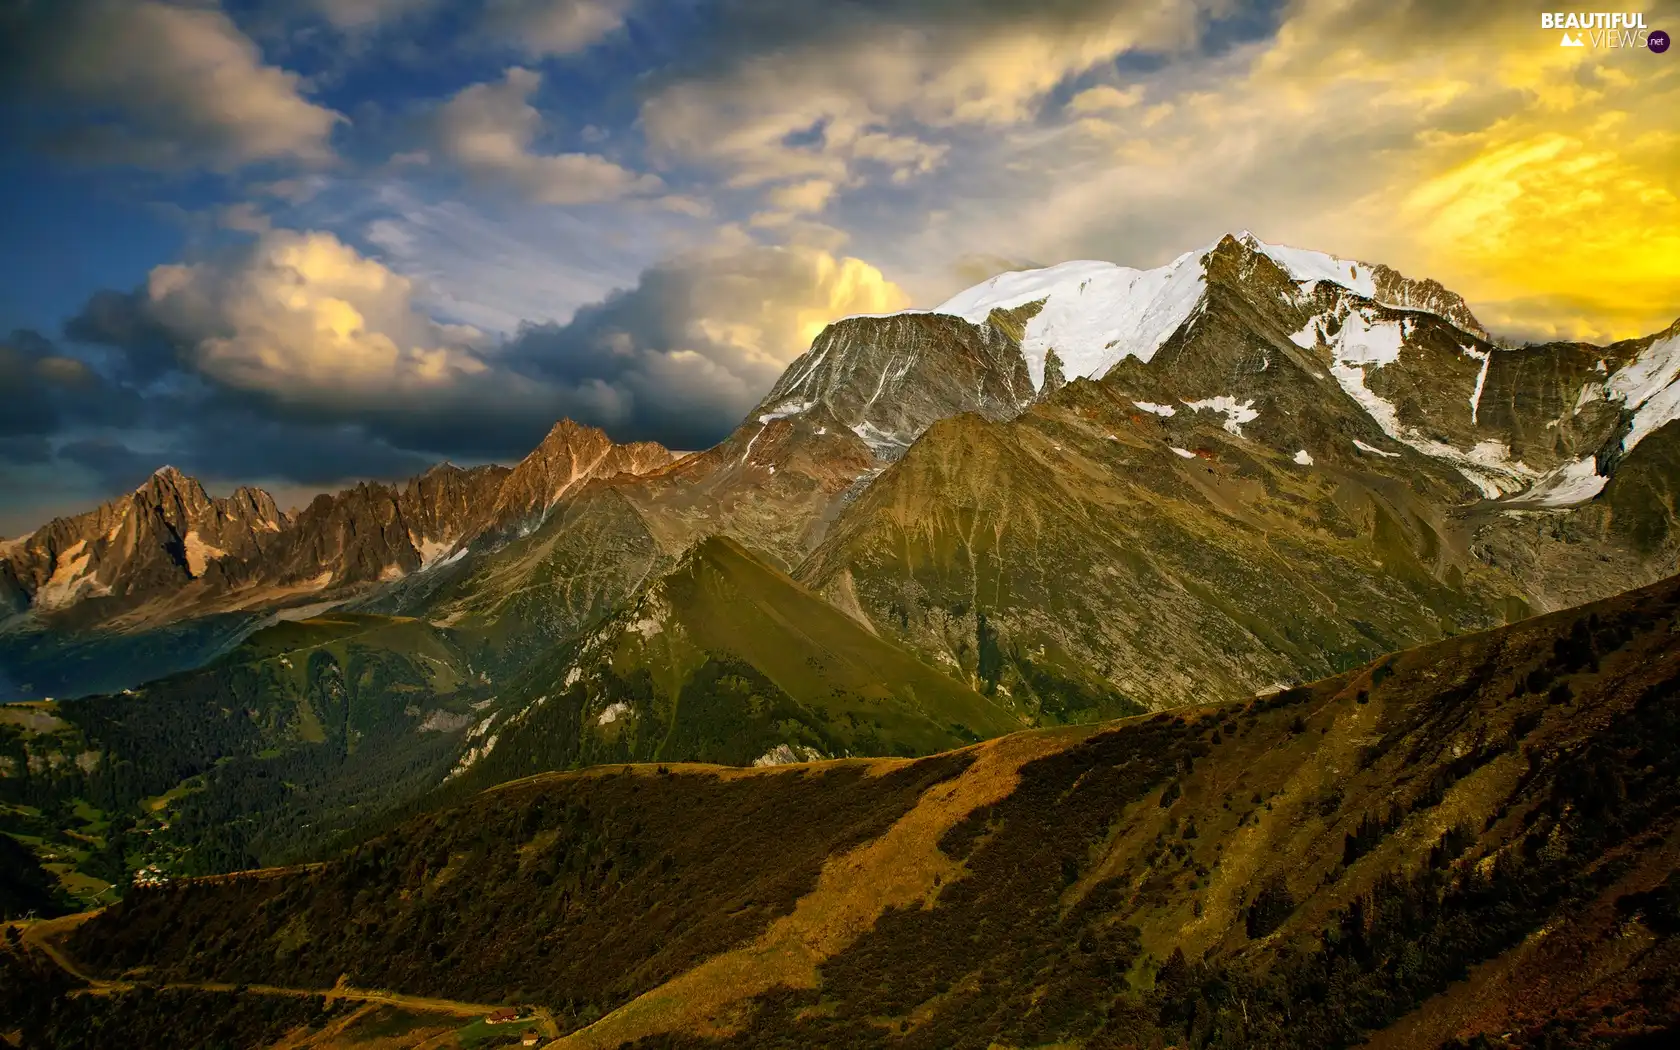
(887, 379)
(571, 455)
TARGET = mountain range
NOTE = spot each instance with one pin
(1065, 495)
(1248, 431)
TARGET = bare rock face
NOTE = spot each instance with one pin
(887, 379)
(863, 394)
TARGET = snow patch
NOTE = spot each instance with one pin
(1186, 453)
(1574, 482)
(70, 578)
(786, 409)
(1650, 386)
(1304, 458)
(1375, 451)
(886, 444)
(1095, 313)
(1486, 358)
(612, 713)
(1310, 267)
(1236, 414)
(1160, 410)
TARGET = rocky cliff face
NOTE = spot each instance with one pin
(569, 457)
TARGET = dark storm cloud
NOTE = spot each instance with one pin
(45, 390)
(246, 446)
(114, 463)
(119, 320)
(160, 85)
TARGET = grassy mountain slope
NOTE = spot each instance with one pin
(1072, 559)
(1472, 843)
(727, 659)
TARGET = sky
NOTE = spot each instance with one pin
(300, 242)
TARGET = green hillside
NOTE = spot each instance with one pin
(726, 659)
(299, 734)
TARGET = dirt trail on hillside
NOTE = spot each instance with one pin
(43, 936)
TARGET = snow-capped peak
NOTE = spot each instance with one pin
(1095, 313)
(1308, 267)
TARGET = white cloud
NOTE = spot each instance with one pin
(702, 337)
(308, 320)
(489, 130)
(810, 196)
(1105, 98)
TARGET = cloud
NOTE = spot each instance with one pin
(305, 319)
(700, 339)
(299, 330)
(1105, 98)
(156, 85)
(114, 463)
(554, 27)
(810, 196)
(488, 129)
(47, 390)
(1449, 140)
(796, 89)
(364, 14)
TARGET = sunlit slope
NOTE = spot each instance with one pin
(727, 659)
(1089, 553)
